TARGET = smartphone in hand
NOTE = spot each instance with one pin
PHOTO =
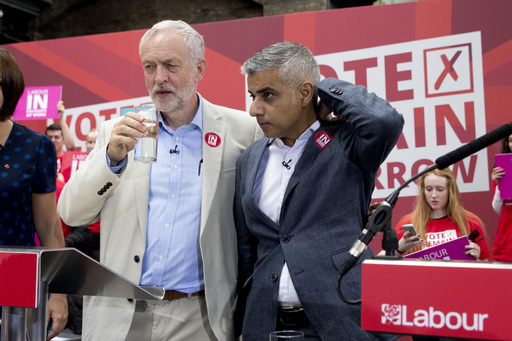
(410, 227)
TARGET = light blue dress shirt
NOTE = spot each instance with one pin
(172, 259)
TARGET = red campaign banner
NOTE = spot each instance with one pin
(446, 65)
(19, 279)
(71, 161)
(462, 299)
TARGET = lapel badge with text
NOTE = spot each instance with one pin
(212, 139)
(322, 139)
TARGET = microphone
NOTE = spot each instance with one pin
(474, 146)
(287, 164)
(380, 218)
(175, 150)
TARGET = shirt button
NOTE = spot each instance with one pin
(136, 259)
(166, 226)
(273, 278)
(177, 138)
(173, 196)
(161, 258)
(285, 238)
(175, 166)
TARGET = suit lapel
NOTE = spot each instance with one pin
(253, 166)
(307, 159)
(254, 162)
(213, 123)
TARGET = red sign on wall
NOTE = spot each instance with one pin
(450, 78)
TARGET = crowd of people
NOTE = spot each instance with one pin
(267, 262)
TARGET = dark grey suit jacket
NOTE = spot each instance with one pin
(323, 212)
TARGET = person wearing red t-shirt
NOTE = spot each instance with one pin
(61, 136)
(502, 250)
(439, 217)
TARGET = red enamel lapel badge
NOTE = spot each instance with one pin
(322, 139)
(212, 139)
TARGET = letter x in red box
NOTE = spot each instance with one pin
(448, 70)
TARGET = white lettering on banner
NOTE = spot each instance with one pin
(80, 157)
(37, 101)
(440, 254)
(438, 238)
(431, 318)
(437, 84)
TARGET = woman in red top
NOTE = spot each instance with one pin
(439, 217)
(502, 250)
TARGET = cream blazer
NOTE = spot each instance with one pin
(121, 202)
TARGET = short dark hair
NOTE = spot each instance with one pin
(12, 84)
(54, 126)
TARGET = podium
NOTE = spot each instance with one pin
(29, 275)
(463, 299)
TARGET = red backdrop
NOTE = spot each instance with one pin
(102, 73)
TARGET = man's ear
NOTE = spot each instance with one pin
(307, 93)
(200, 69)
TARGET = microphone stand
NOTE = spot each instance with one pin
(390, 240)
(380, 221)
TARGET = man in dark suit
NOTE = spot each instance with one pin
(302, 195)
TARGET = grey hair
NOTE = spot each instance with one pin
(295, 62)
(192, 40)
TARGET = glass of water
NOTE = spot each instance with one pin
(145, 149)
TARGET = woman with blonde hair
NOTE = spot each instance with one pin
(439, 217)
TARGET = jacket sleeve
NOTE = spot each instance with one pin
(375, 125)
(86, 191)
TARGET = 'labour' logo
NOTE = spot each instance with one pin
(391, 314)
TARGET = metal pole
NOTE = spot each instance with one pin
(14, 323)
(36, 317)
